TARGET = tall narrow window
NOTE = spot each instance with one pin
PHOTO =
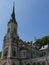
(14, 52)
(6, 52)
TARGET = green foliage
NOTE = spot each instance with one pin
(42, 41)
(30, 43)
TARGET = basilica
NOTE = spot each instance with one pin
(17, 52)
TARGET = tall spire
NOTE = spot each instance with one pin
(13, 13)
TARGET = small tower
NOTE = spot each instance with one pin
(9, 53)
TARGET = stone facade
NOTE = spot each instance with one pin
(17, 52)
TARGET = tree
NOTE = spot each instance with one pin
(42, 41)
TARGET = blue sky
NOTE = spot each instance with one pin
(32, 17)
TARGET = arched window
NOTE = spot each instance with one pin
(14, 52)
(6, 52)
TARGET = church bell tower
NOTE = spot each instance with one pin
(10, 42)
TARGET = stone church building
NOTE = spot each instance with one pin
(17, 52)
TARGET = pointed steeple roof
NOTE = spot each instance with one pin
(13, 13)
(13, 16)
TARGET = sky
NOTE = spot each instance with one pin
(32, 17)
